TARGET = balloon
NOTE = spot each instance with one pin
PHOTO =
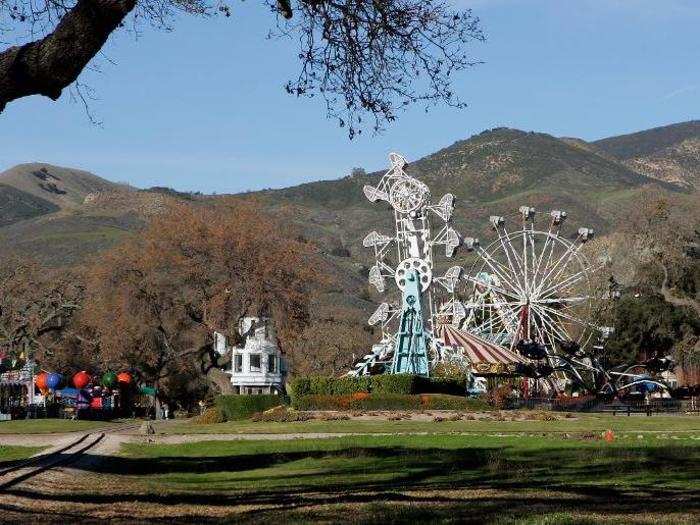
(40, 381)
(124, 378)
(81, 379)
(53, 381)
(108, 379)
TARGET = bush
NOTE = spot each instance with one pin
(300, 386)
(442, 385)
(447, 402)
(401, 384)
(328, 386)
(241, 407)
(501, 397)
(210, 416)
(360, 401)
(281, 414)
(394, 384)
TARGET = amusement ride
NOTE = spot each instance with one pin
(526, 308)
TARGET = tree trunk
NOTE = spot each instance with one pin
(47, 66)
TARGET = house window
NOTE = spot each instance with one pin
(255, 362)
(238, 363)
(272, 364)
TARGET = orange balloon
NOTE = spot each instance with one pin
(124, 377)
(40, 381)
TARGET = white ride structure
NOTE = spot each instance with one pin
(531, 291)
(404, 268)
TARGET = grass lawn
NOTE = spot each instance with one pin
(47, 426)
(10, 454)
(582, 423)
(474, 478)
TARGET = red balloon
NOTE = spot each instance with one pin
(40, 381)
(81, 379)
(124, 377)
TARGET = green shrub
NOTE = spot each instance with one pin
(394, 384)
(328, 386)
(448, 402)
(299, 386)
(345, 386)
(241, 407)
(403, 384)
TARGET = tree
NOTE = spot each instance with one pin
(37, 305)
(657, 258)
(156, 300)
(329, 347)
(361, 56)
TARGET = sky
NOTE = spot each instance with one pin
(202, 107)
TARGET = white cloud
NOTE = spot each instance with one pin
(680, 91)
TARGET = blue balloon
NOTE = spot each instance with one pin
(53, 381)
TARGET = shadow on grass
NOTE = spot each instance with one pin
(400, 484)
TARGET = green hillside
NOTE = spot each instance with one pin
(668, 153)
(60, 215)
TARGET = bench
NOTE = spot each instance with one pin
(628, 409)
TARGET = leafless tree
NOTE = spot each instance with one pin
(37, 306)
(365, 58)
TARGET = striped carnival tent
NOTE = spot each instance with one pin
(486, 358)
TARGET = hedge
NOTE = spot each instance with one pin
(240, 407)
(403, 384)
(360, 401)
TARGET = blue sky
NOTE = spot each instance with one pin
(203, 108)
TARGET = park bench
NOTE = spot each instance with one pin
(627, 409)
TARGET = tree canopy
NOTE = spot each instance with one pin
(366, 59)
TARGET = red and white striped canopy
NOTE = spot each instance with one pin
(485, 357)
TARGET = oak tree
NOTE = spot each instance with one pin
(156, 300)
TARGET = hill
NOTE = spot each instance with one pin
(668, 153)
(60, 215)
(493, 172)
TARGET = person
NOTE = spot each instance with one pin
(201, 406)
(166, 410)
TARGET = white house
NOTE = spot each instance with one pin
(257, 367)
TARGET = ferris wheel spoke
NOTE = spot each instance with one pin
(555, 300)
(524, 258)
(561, 264)
(487, 326)
(565, 284)
(502, 291)
(542, 271)
(497, 316)
(562, 315)
(503, 272)
(556, 327)
(548, 238)
(516, 256)
(511, 255)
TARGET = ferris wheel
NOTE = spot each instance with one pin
(531, 290)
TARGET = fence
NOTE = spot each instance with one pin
(592, 404)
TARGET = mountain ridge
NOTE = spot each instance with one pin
(55, 212)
